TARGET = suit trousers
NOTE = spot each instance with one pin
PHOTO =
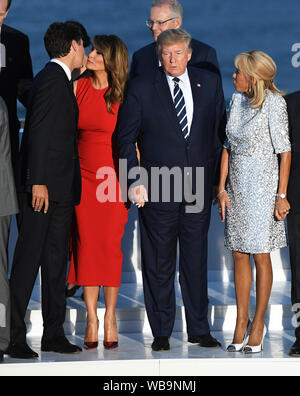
(160, 233)
(4, 284)
(42, 243)
(293, 221)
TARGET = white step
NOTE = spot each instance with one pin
(132, 317)
(134, 357)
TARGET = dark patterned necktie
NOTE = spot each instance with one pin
(180, 108)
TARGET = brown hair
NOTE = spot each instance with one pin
(259, 66)
(116, 60)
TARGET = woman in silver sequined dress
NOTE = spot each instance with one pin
(254, 203)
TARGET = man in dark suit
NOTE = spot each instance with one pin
(15, 74)
(177, 118)
(49, 184)
(164, 15)
(293, 220)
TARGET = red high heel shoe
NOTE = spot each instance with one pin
(91, 344)
(110, 344)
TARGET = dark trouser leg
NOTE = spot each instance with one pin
(4, 285)
(294, 246)
(193, 231)
(53, 270)
(159, 231)
(33, 227)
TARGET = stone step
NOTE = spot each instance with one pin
(132, 317)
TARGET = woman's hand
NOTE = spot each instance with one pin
(282, 208)
(223, 204)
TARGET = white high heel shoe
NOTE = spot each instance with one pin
(256, 348)
(240, 347)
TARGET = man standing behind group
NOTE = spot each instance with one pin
(177, 120)
(15, 74)
(49, 183)
(164, 15)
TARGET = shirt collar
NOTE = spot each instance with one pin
(64, 66)
(183, 78)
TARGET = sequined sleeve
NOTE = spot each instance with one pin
(226, 144)
(278, 123)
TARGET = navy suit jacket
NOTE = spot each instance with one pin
(15, 79)
(293, 108)
(145, 61)
(49, 152)
(148, 117)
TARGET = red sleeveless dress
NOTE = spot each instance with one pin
(96, 257)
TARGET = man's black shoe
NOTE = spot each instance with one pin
(59, 345)
(160, 344)
(20, 351)
(205, 340)
(295, 349)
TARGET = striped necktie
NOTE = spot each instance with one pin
(180, 108)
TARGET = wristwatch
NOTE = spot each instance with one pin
(281, 196)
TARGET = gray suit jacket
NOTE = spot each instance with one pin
(8, 196)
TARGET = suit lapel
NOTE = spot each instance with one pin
(197, 88)
(165, 97)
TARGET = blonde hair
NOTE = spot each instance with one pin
(259, 66)
(116, 60)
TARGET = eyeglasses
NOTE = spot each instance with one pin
(150, 23)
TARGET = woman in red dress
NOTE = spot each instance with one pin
(99, 223)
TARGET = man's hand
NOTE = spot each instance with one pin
(40, 198)
(138, 195)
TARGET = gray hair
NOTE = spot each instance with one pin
(173, 36)
(176, 10)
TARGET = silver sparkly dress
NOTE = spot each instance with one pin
(254, 138)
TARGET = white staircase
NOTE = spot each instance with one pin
(134, 329)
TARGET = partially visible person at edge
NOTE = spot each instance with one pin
(99, 224)
(253, 188)
(15, 74)
(8, 207)
(293, 221)
(46, 194)
(164, 15)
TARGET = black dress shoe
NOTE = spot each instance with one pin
(59, 345)
(20, 351)
(295, 349)
(71, 292)
(160, 344)
(205, 340)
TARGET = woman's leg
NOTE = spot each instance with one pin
(110, 324)
(91, 294)
(243, 281)
(264, 280)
